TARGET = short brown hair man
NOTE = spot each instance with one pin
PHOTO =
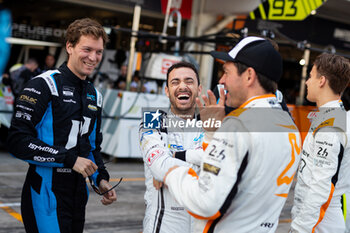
(323, 174)
(251, 158)
(56, 129)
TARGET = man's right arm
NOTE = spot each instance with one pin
(156, 154)
(31, 109)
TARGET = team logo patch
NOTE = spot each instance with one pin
(199, 138)
(43, 159)
(175, 147)
(24, 107)
(32, 90)
(153, 156)
(68, 91)
(28, 99)
(69, 101)
(23, 115)
(211, 168)
(92, 107)
(151, 120)
(90, 97)
(64, 170)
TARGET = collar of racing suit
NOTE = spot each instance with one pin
(323, 109)
(72, 77)
(331, 113)
(253, 100)
(330, 104)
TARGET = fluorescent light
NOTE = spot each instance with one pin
(13, 40)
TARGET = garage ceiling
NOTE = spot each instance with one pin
(336, 10)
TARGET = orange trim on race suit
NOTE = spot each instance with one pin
(255, 98)
(285, 195)
(283, 178)
(210, 222)
(324, 208)
(328, 122)
(238, 111)
(288, 126)
(207, 226)
(204, 145)
(192, 173)
(213, 217)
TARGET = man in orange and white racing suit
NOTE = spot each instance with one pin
(324, 174)
(249, 162)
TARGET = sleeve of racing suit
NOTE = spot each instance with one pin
(327, 154)
(101, 172)
(156, 154)
(208, 196)
(30, 108)
(193, 156)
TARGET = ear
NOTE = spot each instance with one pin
(166, 91)
(69, 48)
(199, 90)
(251, 76)
(322, 81)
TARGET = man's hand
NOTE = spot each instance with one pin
(109, 197)
(211, 109)
(170, 170)
(157, 184)
(84, 166)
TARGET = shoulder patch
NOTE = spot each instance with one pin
(50, 81)
(211, 168)
(328, 122)
(313, 115)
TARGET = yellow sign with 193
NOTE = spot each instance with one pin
(285, 9)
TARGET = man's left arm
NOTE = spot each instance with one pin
(192, 156)
(101, 176)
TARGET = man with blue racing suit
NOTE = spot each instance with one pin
(56, 129)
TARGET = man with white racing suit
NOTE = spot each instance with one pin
(158, 145)
(56, 129)
(249, 162)
(323, 173)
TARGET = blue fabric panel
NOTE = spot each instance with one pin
(92, 139)
(45, 134)
(45, 203)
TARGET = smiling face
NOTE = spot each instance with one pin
(84, 56)
(234, 86)
(182, 90)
